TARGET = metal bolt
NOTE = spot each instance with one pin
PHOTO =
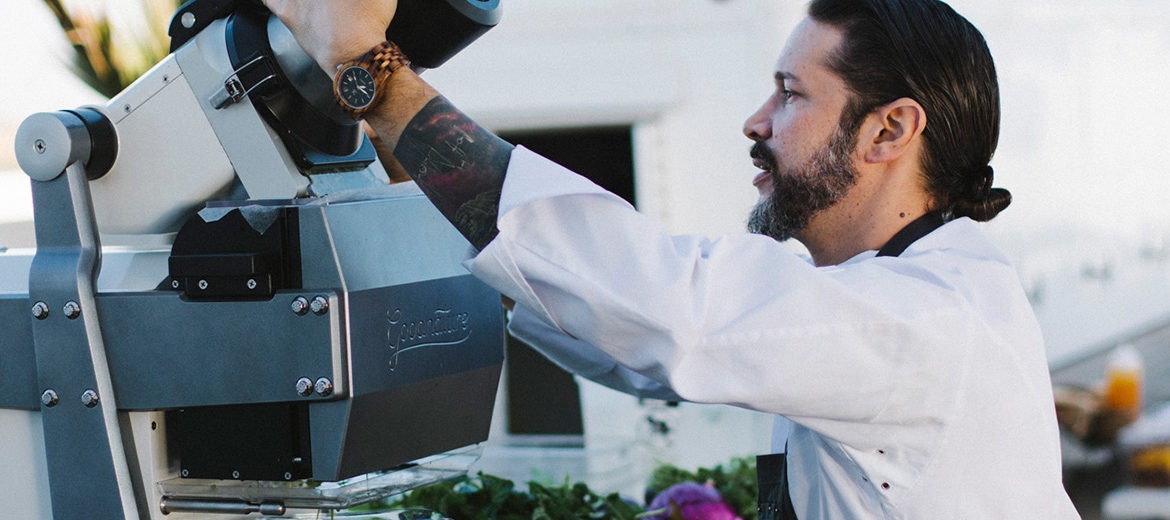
(40, 146)
(319, 306)
(324, 387)
(40, 310)
(202, 285)
(251, 283)
(188, 19)
(49, 398)
(72, 310)
(300, 306)
(305, 387)
(89, 398)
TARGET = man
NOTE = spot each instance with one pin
(904, 365)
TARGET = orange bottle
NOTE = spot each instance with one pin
(1123, 381)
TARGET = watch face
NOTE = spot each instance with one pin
(356, 87)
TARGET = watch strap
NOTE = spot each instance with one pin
(381, 61)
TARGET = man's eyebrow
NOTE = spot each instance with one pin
(782, 76)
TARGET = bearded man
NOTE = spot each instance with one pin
(903, 363)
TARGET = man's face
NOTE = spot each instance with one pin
(800, 145)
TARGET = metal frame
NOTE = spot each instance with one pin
(78, 409)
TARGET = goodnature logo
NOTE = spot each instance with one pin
(443, 327)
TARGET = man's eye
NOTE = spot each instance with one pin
(787, 94)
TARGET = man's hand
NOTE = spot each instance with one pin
(334, 31)
(458, 164)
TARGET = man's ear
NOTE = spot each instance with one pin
(892, 130)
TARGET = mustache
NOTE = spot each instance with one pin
(761, 152)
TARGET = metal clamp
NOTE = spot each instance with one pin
(234, 89)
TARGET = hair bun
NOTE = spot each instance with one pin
(983, 209)
(979, 200)
(981, 183)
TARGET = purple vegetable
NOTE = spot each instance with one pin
(690, 501)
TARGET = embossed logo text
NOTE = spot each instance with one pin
(443, 327)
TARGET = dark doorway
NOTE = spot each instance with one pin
(542, 398)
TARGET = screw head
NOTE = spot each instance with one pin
(324, 387)
(40, 146)
(185, 473)
(188, 19)
(299, 306)
(235, 474)
(304, 387)
(202, 285)
(72, 310)
(40, 310)
(320, 305)
(251, 283)
(174, 284)
(49, 398)
(288, 475)
(89, 398)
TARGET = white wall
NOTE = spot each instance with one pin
(686, 74)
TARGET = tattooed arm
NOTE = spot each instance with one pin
(459, 165)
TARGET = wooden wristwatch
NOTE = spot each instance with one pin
(360, 82)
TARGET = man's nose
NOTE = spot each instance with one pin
(758, 126)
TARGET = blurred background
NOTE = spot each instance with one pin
(648, 98)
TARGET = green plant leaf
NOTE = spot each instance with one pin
(107, 57)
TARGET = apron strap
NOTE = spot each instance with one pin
(775, 503)
(915, 230)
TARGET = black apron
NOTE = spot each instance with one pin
(775, 502)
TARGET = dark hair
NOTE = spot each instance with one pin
(925, 51)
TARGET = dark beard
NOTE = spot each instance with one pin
(799, 194)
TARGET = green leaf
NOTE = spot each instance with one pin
(488, 497)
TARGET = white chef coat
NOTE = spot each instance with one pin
(917, 385)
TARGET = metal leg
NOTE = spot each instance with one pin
(88, 473)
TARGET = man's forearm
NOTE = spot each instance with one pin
(458, 164)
